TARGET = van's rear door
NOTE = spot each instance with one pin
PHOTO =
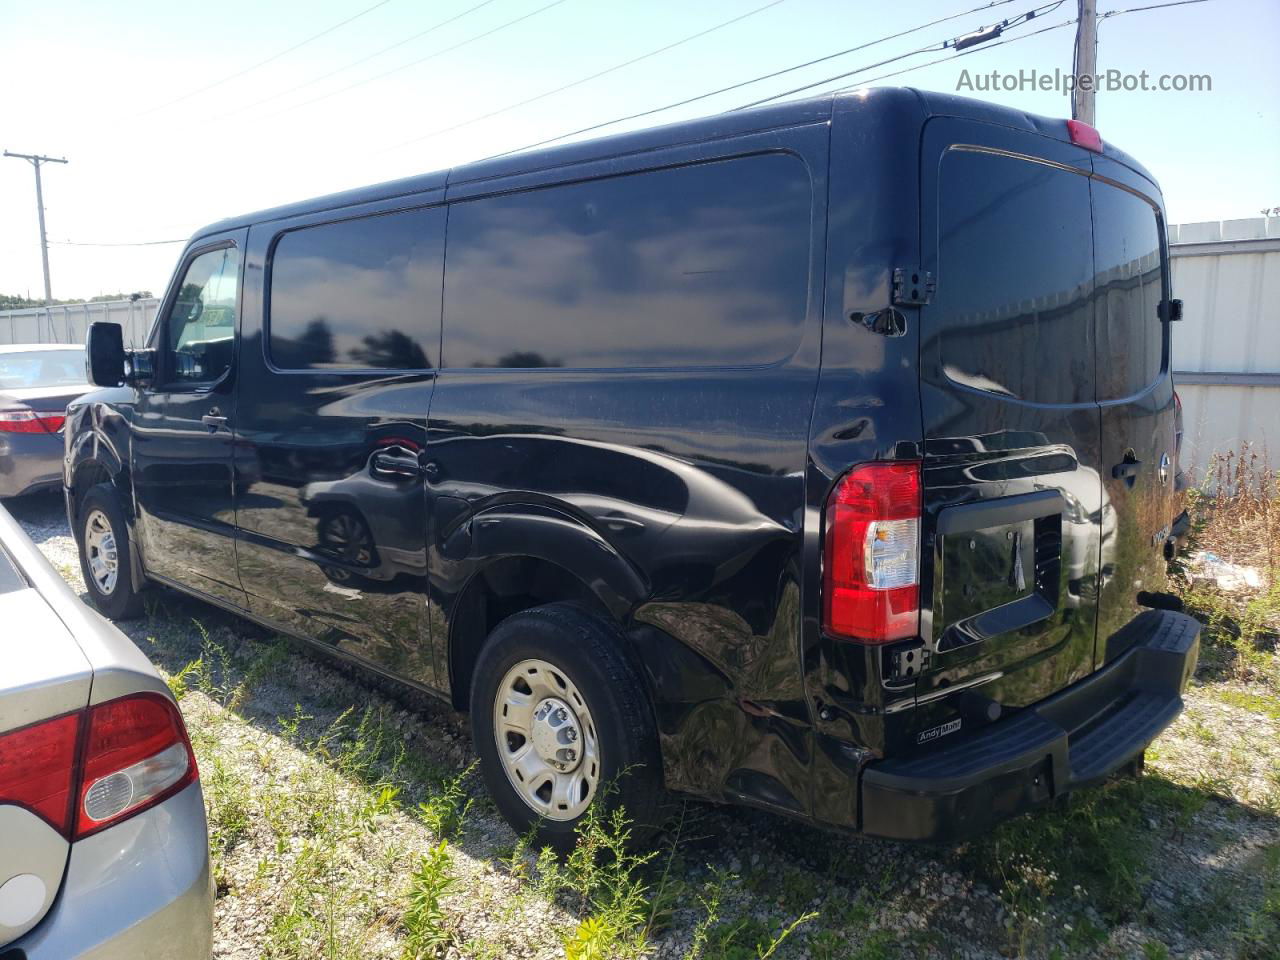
(1135, 391)
(1013, 490)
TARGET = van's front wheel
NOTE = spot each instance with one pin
(105, 562)
(561, 721)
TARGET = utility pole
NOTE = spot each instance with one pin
(1082, 107)
(35, 160)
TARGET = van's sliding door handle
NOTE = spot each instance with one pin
(619, 524)
(395, 466)
(213, 421)
(1127, 470)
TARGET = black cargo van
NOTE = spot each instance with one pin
(817, 457)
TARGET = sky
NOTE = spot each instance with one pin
(171, 119)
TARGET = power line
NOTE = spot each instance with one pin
(1155, 6)
(365, 59)
(595, 76)
(414, 63)
(1016, 21)
(999, 43)
(270, 59)
(884, 76)
(965, 53)
(745, 83)
(140, 243)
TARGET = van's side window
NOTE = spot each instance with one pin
(358, 294)
(1129, 285)
(700, 265)
(200, 329)
(1014, 276)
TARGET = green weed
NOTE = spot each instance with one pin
(446, 811)
(426, 927)
(710, 900)
(178, 681)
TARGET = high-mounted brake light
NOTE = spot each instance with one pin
(871, 553)
(135, 754)
(22, 420)
(1083, 135)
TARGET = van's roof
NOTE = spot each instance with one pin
(738, 122)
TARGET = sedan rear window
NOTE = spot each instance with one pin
(41, 368)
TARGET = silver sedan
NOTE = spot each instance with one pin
(104, 849)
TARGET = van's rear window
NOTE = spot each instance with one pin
(1015, 265)
(1131, 338)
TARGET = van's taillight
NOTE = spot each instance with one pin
(135, 753)
(1083, 135)
(22, 420)
(37, 768)
(871, 553)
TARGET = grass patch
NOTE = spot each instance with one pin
(1259, 936)
(1094, 852)
(1261, 704)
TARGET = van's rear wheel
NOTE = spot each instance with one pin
(103, 541)
(561, 720)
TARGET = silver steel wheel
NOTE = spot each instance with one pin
(546, 740)
(100, 551)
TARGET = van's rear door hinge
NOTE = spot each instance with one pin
(908, 662)
(912, 287)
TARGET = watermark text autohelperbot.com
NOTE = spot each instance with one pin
(1061, 81)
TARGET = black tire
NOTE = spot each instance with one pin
(588, 649)
(122, 601)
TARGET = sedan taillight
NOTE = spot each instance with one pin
(871, 553)
(37, 768)
(22, 420)
(135, 753)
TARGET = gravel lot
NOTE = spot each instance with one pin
(326, 792)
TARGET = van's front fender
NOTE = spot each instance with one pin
(97, 448)
(97, 434)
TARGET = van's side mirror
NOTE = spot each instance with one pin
(104, 354)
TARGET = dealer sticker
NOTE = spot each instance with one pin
(933, 733)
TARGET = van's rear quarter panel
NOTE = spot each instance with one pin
(867, 406)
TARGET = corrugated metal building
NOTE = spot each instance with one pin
(68, 323)
(1226, 350)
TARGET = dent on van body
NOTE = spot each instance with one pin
(653, 384)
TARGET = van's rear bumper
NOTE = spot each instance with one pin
(1076, 737)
